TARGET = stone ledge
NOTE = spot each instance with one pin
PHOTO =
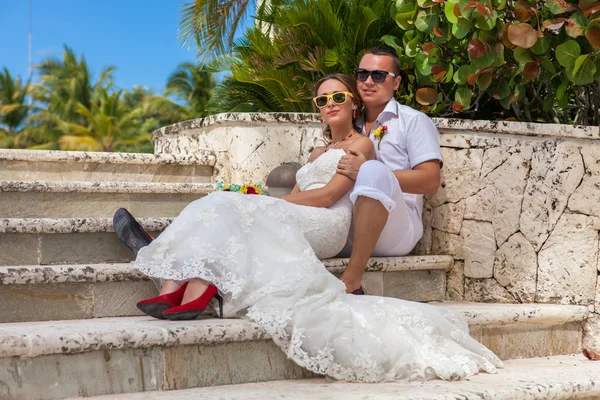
(443, 124)
(105, 187)
(237, 118)
(83, 273)
(112, 272)
(490, 314)
(519, 128)
(559, 377)
(392, 264)
(31, 339)
(204, 158)
(73, 225)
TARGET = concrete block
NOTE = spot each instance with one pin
(86, 374)
(143, 205)
(45, 302)
(116, 299)
(530, 340)
(82, 248)
(415, 285)
(19, 249)
(227, 363)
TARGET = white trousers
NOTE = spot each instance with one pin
(404, 227)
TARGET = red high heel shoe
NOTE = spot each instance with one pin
(155, 306)
(194, 308)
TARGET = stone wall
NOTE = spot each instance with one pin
(247, 146)
(518, 208)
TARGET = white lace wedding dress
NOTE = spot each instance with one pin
(263, 255)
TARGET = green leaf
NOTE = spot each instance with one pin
(425, 21)
(466, 12)
(575, 25)
(393, 42)
(558, 6)
(426, 3)
(547, 65)
(499, 4)
(505, 102)
(434, 55)
(463, 96)
(404, 6)
(499, 89)
(484, 79)
(522, 55)
(485, 22)
(449, 11)
(449, 74)
(567, 53)
(461, 28)
(579, 62)
(422, 64)
(462, 73)
(411, 49)
(560, 92)
(499, 55)
(585, 71)
(404, 20)
(541, 46)
(548, 103)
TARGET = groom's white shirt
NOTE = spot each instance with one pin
(410, 140)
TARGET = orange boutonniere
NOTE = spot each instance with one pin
(379, 132)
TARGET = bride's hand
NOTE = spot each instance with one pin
(351, 163)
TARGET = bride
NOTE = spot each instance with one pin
(258, 256)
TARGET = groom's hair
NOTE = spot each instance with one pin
(386, 51)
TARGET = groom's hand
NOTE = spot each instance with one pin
(350, 163)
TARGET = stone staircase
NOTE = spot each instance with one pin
(70, 327)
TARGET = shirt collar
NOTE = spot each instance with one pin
(390, 108)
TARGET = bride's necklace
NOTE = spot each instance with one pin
(334, 145)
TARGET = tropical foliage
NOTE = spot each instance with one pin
(275, 65)
(531, 60)
(69, 110)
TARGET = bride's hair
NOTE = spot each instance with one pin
(350, 83)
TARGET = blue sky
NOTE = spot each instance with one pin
(139, 37)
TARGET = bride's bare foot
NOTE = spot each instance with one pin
(194, 290)
(169, 287)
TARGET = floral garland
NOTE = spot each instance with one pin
(248, 188)
(379, 132)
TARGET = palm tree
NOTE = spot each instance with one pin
(212, 24)
(276, 70)
(109, 124)
(192, 85)
(13, 107)
(66, 83)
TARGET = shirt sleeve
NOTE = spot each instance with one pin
(422, 140)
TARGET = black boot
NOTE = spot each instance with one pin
(130, 231)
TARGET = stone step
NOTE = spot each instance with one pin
(62, 292)
(560, 377)
(61, 359)
(50, 165)
(46, 241)
(71, 199)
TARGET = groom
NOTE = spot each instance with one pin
(388, 194)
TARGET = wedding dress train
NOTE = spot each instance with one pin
(263, 254)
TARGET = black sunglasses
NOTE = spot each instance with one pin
(378, 76)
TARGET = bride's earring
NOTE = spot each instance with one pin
(355, 113)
